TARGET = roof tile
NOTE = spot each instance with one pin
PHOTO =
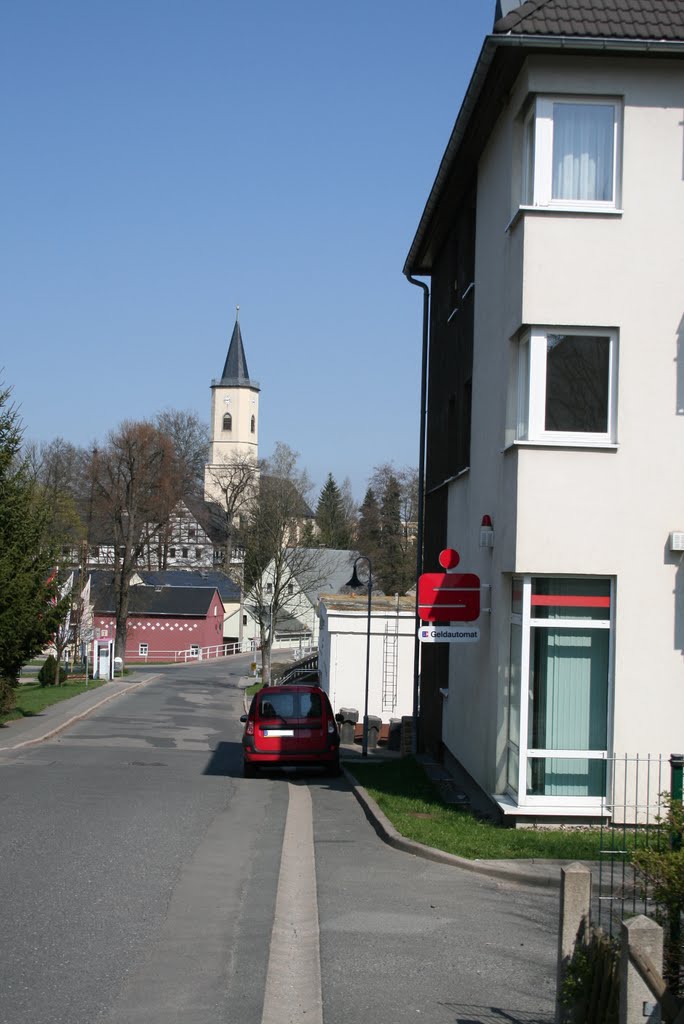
(608, 19)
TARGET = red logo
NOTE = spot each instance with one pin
(449, 596)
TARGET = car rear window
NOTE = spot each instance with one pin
(290, 705)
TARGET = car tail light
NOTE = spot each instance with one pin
(331, 727)
(249, 731)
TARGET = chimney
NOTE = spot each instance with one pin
(504, 7)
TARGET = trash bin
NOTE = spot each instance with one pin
(347, 718)
(118, 666)
(374, 725)
(394, 738)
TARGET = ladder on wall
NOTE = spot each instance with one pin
(390, 664)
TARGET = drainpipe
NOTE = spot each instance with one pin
(421, 500)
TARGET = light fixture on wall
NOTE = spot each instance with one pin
(486, 532)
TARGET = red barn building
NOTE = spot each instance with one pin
(163, 622)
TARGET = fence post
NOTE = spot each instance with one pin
(644, 935)
(575, 905)
(674, 912)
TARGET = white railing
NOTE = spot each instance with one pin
(190, 653)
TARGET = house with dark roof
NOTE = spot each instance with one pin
(165, 623)
(552, 240)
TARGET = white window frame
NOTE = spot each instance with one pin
(528, 622)
(143, 650)
(537, 161)
(531, 389)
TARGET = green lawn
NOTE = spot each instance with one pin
(32, 698)
(406, 795)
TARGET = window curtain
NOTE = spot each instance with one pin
(583, 151)
(570, 697)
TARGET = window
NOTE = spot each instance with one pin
(269, 588)
(172, 552)
(194, 650)
(198, 552)
(192, 533)
(184, 552)
(253, 425)
(566, 387)
(571, 153)
(227, 421)
(244, 620)
(290, 588)
(559, 685)
(142, 650)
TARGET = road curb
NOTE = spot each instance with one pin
(525, 873)
(77, 718)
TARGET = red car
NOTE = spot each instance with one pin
(290, 725)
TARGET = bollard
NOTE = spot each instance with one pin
(575, 904)
(644, 936)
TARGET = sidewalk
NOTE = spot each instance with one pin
(24, 732)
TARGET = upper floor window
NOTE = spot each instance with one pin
(227, 421)
(571, 153)
(567, 386)
(253, 424)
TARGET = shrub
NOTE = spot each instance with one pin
(46, 675)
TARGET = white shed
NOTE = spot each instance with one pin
(342, 653)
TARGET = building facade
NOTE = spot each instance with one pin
(552, 237)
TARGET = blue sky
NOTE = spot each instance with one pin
(165, 160)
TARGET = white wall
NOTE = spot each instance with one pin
(342, 660)
(581, 511)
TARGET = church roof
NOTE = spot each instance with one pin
(235, 372)
(608, 19)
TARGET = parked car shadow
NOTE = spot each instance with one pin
(226, 759)
(468, 1014)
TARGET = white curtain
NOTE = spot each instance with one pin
(583, 151)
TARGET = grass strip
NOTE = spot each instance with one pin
(411, 801)
(32, 698)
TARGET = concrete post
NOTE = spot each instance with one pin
(644, 935)
(575, 905)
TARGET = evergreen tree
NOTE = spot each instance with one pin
(29, 610)
(334, 529)
(391, 566)
(368, 533)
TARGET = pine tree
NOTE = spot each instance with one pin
(334, 529)
(29, 612)
(368, 533)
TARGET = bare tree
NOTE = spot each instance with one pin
(190, 438)
(135, 483)
(273, 561)
(236, 481)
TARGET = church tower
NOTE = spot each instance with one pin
(234, 426)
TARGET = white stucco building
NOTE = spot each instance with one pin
(553, 240)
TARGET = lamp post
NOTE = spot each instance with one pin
(356, 583)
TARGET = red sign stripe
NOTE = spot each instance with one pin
(570, 601)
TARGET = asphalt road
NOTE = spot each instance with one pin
(141, 876)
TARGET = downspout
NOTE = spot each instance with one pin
(421, 500)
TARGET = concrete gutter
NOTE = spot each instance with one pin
(541, 873)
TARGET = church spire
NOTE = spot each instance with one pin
(235, 370)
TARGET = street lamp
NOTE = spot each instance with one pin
(356, 583)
